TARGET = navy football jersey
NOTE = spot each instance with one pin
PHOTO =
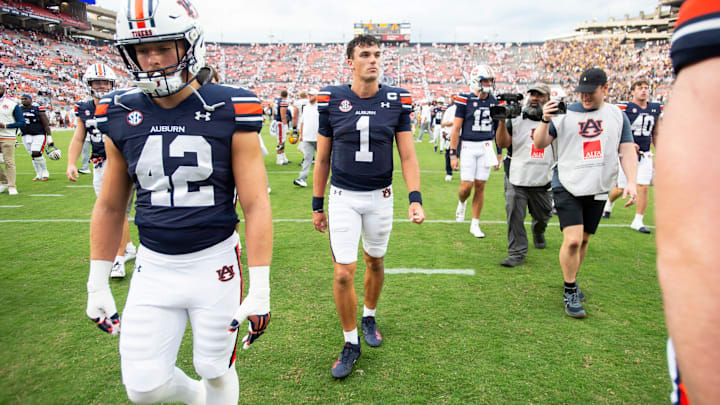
(85, 110)
(642, 121)
(180, 161)
(438, 114)
(475, 112)
(363, 132)
(33, 126)
(279, 103)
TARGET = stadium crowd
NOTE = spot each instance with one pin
(47, 66)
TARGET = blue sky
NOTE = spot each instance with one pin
(432, 21)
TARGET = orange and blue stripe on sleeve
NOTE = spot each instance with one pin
(697, 33)
(248, 113)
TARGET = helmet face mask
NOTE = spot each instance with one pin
(98, 72)
(174, 21)
(478, 74)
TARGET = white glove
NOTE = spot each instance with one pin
(101, 304)
(255, 307)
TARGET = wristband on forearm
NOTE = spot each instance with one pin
(452, 152)
(317, 204)
(99, 274)
(415, 196)
(259, 278)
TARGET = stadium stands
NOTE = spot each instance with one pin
(50, 67)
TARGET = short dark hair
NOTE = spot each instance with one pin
(283, 93)
(637, 83)
(360, 40)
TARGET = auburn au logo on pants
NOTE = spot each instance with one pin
(226, 273)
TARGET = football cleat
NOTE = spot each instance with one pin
(344, 364)
(460, 211)
(130, 252)
(476, 232)
(300, 182)
(369, 327)
(118, 270)
(84, 171)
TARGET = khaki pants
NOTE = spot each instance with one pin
(7, 148)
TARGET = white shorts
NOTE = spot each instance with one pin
(34, 143)
(281, 132)
(437, 132)
(645, 173)
(273, 128)
(351, 213)
(476, 159)
(165, 291)
(98, 171)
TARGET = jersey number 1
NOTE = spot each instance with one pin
(150, 172)
(364, 154)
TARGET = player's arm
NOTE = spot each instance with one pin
(74, 150)
(454, 141)
(248, 167)
(320, 178)
(106, 227)
(295, 116)
(46, 127)
(629, 161)
(411, 174)
(687, 213)
(300, 130)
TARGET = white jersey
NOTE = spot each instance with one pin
(310, 121)
(7, 107)
(530, 166)
(587, 147)
(300, 104)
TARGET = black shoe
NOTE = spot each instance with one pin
(369, 327)
(573, 306)
(539, 241)
(344, 364)
(512, 261)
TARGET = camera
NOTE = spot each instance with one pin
(562, 108)
(511, 109)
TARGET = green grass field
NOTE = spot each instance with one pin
(500, 336)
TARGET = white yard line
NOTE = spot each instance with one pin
(464, 272)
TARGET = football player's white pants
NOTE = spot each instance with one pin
(645, 172)
(85, 154)
(437, 134)
(98, 171)
(36, 143)
(476, 159)
(274, 128)
(355, 213)
(166, 291)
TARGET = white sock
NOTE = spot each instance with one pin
(475, 222)
(351, 336)
(223, 390)
(368, 312)
(42, 165)
(638, 219)
(37, 167)
(608, 206)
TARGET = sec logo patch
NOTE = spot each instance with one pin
(135, 118)
(345, 106)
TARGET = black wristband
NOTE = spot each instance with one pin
(543, 120)
(415, 196)
(452, 152)
(317, 204)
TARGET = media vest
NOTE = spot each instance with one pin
(530, 167)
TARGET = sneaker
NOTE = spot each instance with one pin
(3, 187)
(606, 214)
(36, 178)
(539, 241)
(118, 270)
(299, 182)
(512, 261)
(460, 211)
(12, 190)
(344, 364)
(287, 162)
(581, 295)
(369, 327)
(448, 177)
(84, 171)
(573, 306)
(475, 230)
(640, 228)
(130, 252)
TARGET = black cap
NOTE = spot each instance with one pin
(590, 80)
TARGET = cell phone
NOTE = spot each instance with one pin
(562, 108)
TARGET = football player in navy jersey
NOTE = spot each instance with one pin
(358, 125)
(280, 116)
(687, 209)
(644, 118)
(100, 80)
(186, 144)
(36, 135)
(478, 155)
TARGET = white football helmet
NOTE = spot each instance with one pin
(441, 100)
(98, 71)
(146, 21)
(53, 153)
(478, 74)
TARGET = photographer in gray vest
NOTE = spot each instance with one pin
(588, 139)
(528, 171)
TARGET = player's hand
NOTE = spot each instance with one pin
(256, 309)
(319, 221)
(550, 108)
(101, 304)
(72, 172)
(416, 213)
(454, 163)
(630, 191)
(497, 166)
